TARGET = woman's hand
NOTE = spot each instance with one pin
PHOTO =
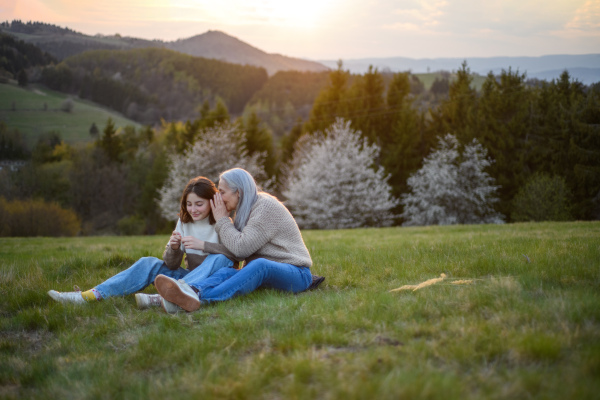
(218, 207)
(175, 240)
(191, 242)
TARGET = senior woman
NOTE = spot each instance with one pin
(263, 232)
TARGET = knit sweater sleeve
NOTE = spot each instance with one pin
(218, 248)
(257, 232)
(172, 258)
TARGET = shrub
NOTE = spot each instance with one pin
(543, 198)
(67, 105)
(131, 226)
(36, 218)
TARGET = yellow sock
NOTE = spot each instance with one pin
(89, 295)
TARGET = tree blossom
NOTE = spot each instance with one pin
(332, 182)
(452, 188)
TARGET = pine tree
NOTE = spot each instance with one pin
(94, 130)
(288, 142)
(110, 143)
(331, 103)
(503, 127)
(259, 140)
(22, 78)
(403, 135)
(452, 188)
(457, 114)
(366, 105)
(332, 182)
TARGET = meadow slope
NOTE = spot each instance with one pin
(37, 110)
(523, 323)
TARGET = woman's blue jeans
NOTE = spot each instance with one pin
(260, 273)
(142, 273)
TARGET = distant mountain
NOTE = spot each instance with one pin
(585, 68)
(64, 42)
(221, 46)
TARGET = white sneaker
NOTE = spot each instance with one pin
(66, 297)
(177, 292)
(144, 301)
(170, 308)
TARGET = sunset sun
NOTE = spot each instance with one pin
(306, 13)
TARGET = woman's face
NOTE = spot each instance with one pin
(197, 207)
(229, 197)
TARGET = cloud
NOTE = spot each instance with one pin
(586, 18)
(507, 17)
(424, 14)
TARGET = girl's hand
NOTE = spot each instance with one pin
(175, 240)
(191, 242)
(218, 207)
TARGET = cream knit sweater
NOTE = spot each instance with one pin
(202, 230)
(271, 233)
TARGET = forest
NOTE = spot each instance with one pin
(534, 132)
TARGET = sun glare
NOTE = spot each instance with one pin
(306, 13)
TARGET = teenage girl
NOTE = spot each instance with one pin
(194, 228)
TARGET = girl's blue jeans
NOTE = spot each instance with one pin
(142, 274)
(260, 273)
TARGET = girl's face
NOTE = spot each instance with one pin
(230, 198)
(197, 207)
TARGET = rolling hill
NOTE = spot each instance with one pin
(221, 46)
(64, 42)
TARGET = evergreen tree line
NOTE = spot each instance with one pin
(551, 128)
(16, 57)
(64, 42)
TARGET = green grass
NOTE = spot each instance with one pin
(30, 118)
(520, 330)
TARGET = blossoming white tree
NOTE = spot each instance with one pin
(217, 150)
(452, 188)
(332, 182)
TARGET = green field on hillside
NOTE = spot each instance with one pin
(517, 316)
(36, 110)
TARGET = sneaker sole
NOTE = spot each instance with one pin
(141, 304)
(170, 291)
(171, 308)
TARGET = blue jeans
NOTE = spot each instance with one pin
(143, 271)
(260, 273)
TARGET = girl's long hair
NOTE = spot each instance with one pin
(203, 188)
(240, 180)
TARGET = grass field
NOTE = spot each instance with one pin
(31, 119)
(527, 326)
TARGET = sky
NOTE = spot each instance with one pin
(341, 29)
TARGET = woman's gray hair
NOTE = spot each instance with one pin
(239, 180)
